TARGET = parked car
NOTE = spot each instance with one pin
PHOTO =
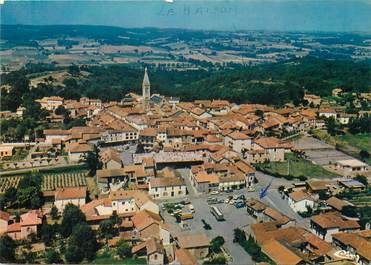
(228, 191)
(191, 208)
(214, 192)
(239, 205)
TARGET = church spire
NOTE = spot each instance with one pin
(146, 86)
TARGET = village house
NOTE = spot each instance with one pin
(300, 201)
(120, 136)
(111, 159)
(6, 151)
(327, 113)
(50, 103)
(238, 142)
(280, 254)
(4, 221)
(255, 208)
(269, 214)
(69, 195)
(356, 244)
(55, 134)
(337, 204)
(196, 244)
(148, 224)
(293, 242)
(78, 151)
(147, 138)
(167, 187)
(267, 149)
(153, 249)
(351, 166)
(351, 184)
(184, 257)
(205, 182)
(327, 224)
(123, 203)
(312, 99)
(28, 224)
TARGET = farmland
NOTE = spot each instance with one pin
(50, 181)
(9, 182)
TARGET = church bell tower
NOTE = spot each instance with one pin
(146, 87)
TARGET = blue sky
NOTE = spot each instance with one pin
(281, 15)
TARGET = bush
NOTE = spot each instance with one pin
(216, 244)
(364, 154)
(123, 249)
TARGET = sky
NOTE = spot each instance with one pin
(276, 15)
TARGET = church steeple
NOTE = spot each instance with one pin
(146, 86)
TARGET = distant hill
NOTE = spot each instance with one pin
(274, 15)
(273, 84)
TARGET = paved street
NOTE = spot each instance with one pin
(235, 218)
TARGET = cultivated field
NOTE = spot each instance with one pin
(50, 181)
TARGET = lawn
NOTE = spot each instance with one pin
(360, 141)
(296, 167)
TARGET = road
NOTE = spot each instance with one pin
(235, 218)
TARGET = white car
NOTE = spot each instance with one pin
(231, 202)
(215, 192)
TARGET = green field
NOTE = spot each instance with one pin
(296, 167)
(360, 141)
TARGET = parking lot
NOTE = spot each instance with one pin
(234, 217)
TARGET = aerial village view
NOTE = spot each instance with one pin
(155, 144)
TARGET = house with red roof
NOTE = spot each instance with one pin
(28, 224)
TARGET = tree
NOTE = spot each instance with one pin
(259, 113)
(72, 216)
(47, 233)
(81, 244)
(239, 235)
(322, 194)
(29, 192)
(92, 160)
(74, 70)
(107, 229)
(362, 179)
(7, 249)
(332, 126)
(216, 244)
(123, 249)
(364, 154)
(53, 256)
(54, 213)
(349, 211)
